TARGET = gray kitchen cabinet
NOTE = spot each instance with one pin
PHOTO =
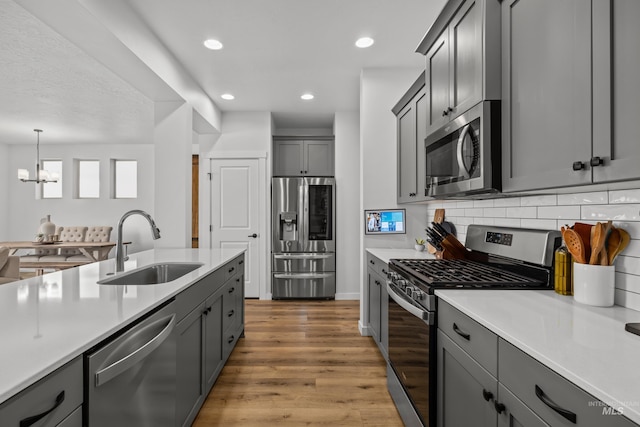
(303, 157)
(411, 118)
(483, 380)
(52, 401)
(377, 303)
(467, 370)
(189, 362)
(202, 348)
(616, 93)
(546, 104)
(462, 59)
(232, 313)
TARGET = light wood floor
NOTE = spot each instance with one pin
(301, 363)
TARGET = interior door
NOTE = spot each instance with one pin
(235, 213)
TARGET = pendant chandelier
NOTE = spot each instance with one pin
(42, 176)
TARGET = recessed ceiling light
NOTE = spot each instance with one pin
(364, 42)
(213, 44)
(307, 96)
(227, 96)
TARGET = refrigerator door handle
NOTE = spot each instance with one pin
(304, 212)
(301, 276)
(311, 256)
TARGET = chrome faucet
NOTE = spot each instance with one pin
(155, 231)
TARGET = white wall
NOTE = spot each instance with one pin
(5, 176)
(25, 210)
(347, 163)
(380, 90)
(550, 212)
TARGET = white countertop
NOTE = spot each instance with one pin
(47, 321)
(385, 254)
(586, 345)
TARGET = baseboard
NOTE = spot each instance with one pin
(364, 330)
(348, 296)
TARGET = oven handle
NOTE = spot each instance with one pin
(459, 152)
(425, 315)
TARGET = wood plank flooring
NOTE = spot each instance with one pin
(301, 363)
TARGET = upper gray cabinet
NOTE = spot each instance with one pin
(411, 116)
(462, 51)
(308, 157)
(616, 92)
(570, 93)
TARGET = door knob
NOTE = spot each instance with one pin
(254, 235)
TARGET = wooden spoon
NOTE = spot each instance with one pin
(575, 245)
(597, 243)
(624, 241)
(584, 231)
(603, 257)
(613, 244)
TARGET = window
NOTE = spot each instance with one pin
(88, 179)
(52, 190)
(126, 179)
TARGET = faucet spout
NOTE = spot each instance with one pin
(155, 232)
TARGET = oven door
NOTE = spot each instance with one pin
(412, 351)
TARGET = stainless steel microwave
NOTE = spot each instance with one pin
(463, 157)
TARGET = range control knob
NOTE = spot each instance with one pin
(393, 276)
(402, 284)
(409, 290)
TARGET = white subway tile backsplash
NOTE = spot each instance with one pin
(522, 212)
(550, 212)
(624, 196)
(593, 198)
(545, 200)
(541, 224)
(495, 212)
(508, 201)
(619, 212)
(559, 212)
(483, 203)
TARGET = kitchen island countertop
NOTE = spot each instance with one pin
(48, 320)
(586, 345)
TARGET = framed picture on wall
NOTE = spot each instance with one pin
(384, 221)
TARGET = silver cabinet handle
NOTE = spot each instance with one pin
(118, 367)
(461, 166)
(419, 313)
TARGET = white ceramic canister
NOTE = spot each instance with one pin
(594, 284)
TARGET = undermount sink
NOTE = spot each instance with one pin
(153, 274)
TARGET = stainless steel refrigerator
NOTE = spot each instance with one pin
(303, 247)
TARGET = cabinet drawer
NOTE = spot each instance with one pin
(73, 420)
(60, 392)
(193, 296)
(378, 265)
(231, 268)
(304, 262)
(472, 337)
(553, 398)
(231, 297)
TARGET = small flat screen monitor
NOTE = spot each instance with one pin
(384, 221)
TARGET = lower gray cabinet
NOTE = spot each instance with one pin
(189, 388)
(217, 312)
(515, 413)
(377, 308)
(466, 390)
(53, 401)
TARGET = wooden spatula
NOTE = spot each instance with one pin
(597, 243)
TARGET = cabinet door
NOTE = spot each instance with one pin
(318, 159)
(616, 93)
(421, 152)
(466, 391)
(516, 413)
(213, 348)
(374, 284)
(384, 321)
(407, 154)
(546, 75)
(288, 158)
(189, 383)
(437, 83)
(465, 35)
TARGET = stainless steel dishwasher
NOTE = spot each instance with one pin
(131, 378)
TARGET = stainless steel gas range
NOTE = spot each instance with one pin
(503, 258)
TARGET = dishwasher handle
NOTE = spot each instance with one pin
(110, 372)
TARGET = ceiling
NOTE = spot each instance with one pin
(274, 51)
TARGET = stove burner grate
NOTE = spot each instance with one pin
(462, 273)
